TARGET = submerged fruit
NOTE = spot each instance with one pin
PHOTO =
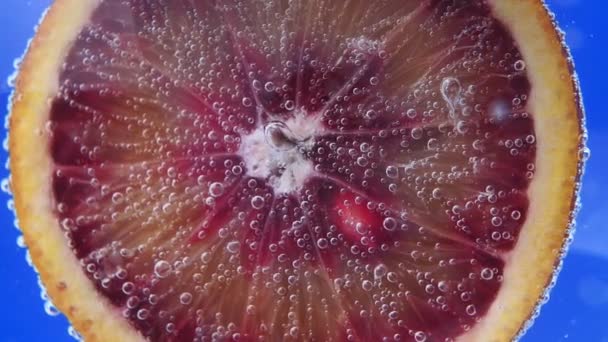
(300, 170)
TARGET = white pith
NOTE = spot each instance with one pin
(262, 160)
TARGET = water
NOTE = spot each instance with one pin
(574, 309)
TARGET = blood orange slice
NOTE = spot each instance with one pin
(296, 170)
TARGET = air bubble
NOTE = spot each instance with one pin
(247, 102)
(5, 185)
(450, 91)
(585, 153)
(389, 224)
(142, 314)
(371, 114)
(237, 170)
(205, 257)
(380, 271)
(171, 172)
(420, 336)
(50, 309)
(437, 193)
(162, 269)
(496, 221)
(128, 288)
(233, 247)
(74, 334)
(416, 133)
(250, 309)
(290, 105)
(257, 202)
(185, 298)
(117, 198)
(471, 310)
(269, 86)
(216, 189)
(530, 139)
(392, 171)
(487, 274)
(367, 285)
(21, 242)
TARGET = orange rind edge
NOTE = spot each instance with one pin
(31, 167)
(556, 104)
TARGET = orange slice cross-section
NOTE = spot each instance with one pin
(297, 170)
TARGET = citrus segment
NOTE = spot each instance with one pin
(301, 170)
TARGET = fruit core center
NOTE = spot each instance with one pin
(277, 151)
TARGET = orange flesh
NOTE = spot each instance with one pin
(426, 141)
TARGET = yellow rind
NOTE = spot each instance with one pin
(31, 166)
(558, 123)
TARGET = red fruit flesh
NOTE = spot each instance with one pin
(357, 222)
(293, 170)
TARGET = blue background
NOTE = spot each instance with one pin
(578, 308)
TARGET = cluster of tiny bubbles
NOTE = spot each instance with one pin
(5, 182)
